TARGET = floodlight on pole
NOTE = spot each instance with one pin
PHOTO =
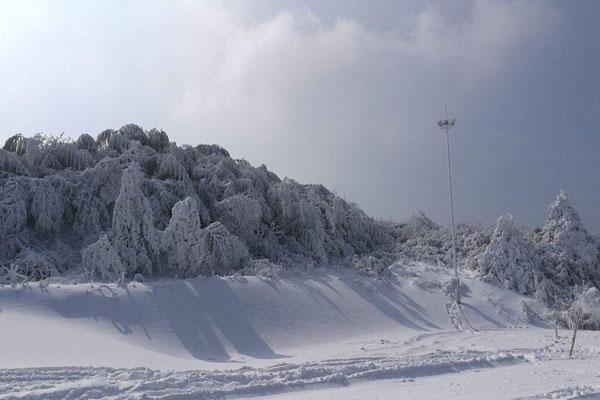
(447, 124)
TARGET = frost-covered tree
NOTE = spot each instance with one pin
(10, 162)
(133, 234)
(94, 193)
(134, 132)
(568, 248)
(510, 258)
(16, 144)
(102, 261)
(87, 143)
(13, 206)
(49, 198)
(584, 312)
(241, 215)
(158, 140)
(35, 265)
(69, 195)
(224, 252)
(184, 240)
(111, 142)
(169, 167)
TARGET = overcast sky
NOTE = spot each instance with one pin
(344, 93)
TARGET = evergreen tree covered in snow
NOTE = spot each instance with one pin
(133, 234)
(510, 259)
(183, 240)
(568, 249)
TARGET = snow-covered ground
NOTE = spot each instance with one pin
(333, 334)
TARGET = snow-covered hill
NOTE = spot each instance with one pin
(262, 334)
(131, 203)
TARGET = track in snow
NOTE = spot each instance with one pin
(142, 383)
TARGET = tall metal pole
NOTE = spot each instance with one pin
(446, 124)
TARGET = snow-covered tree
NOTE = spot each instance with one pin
(158, 140)
(10, 162)
(13, 206)
(87, 143)
(49, 199)
(34, 265)
(133, 234)
(510, 258)
(111, 142)
(134, 132)
(584, 312)
(16, 144)
(241, 215)
(569, 249)
(95, 191)
(224, 253)
(184, 240)
(102, 261)
(170, 168)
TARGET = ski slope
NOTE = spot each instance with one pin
(322, 334)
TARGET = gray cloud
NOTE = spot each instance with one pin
(316, 96)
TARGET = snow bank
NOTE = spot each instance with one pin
(224, 322)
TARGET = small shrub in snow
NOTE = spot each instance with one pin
(449, 288)
(371, 265)
(35, 265)
(431, 285)
(264, 268)
(12, 275)
(584, 312)
(102, 261)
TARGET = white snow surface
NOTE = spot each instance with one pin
(329, 334)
